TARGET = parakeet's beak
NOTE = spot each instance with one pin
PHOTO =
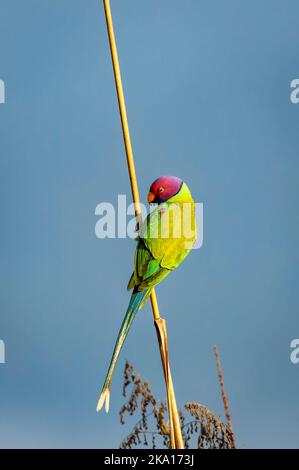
(150, 197)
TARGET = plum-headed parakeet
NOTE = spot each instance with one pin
(165, 239)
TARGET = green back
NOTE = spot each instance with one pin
(166, 238)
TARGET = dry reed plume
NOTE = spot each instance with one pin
(200, 427)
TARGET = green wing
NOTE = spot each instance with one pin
(161, 247)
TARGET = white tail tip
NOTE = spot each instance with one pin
(104, 398)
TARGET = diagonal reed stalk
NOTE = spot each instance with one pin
(224, 397)
(176, 440)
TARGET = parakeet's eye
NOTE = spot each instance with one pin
(160, 190)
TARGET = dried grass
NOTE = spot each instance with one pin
(200, 427)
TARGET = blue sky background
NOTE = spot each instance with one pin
(207, 86)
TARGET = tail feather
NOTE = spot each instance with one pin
(104, 398)
(136, 300)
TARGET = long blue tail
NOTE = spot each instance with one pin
(134, 305)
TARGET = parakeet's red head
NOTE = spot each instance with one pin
(164, 188)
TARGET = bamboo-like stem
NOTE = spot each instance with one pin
(175, 429)
(160, 325)
(174, 420)
(224, 397)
